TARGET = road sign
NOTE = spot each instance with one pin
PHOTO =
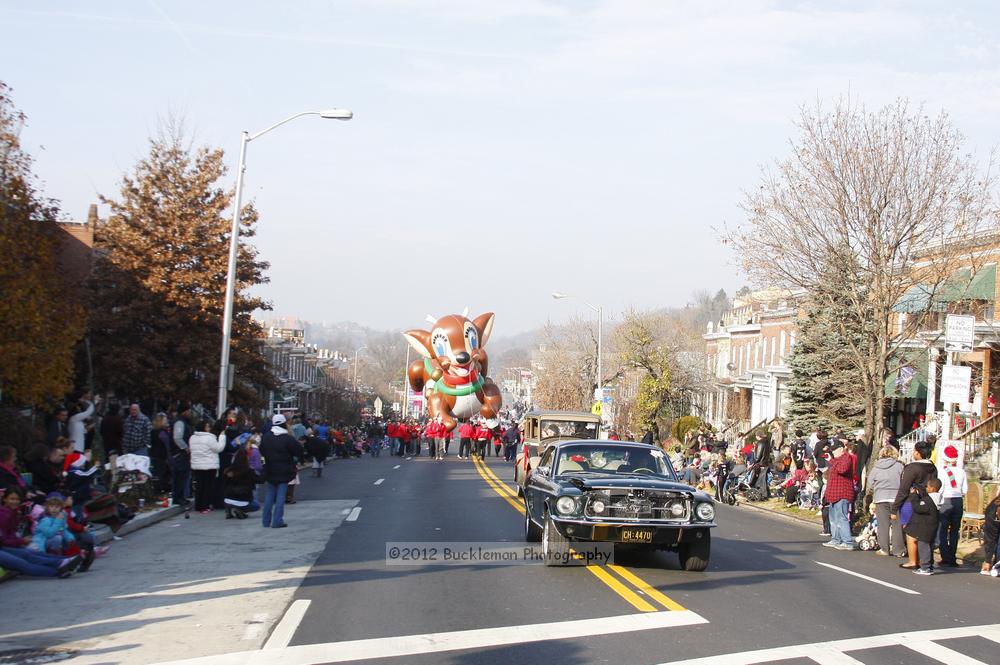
(955, 383)
(596, 409)
(960, 333)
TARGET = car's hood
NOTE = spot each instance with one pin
(592, 480)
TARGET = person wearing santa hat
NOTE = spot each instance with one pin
(954, 487)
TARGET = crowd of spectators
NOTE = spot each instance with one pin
(910, 511)
(53, 496)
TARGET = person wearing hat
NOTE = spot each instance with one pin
(954, 487)
(281, 452)
(840, 495)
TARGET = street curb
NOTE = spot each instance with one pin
(103, 534)
(779, 514)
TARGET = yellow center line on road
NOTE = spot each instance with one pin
(650, 591)
(630, 596)
(498, 486)
(507, 489)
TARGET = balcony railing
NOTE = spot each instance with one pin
(979, 439)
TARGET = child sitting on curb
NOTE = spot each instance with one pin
(14, 555)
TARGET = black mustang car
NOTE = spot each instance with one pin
(615, 491)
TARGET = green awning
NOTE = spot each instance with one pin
(962, 285)
(984, 285)
(907, 377)
(915, 300)
(953, 289)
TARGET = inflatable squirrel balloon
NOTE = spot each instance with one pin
(452, 370)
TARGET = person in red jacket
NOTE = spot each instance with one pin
(465, 434)
(482, 438)
(440, 432)
(430, 433)
(404, 441)
(840, 495)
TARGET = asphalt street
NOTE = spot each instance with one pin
(770, 594)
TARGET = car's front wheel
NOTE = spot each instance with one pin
(555, 546)
(532, 532)
(694, 555)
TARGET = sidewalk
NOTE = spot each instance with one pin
(187, 587)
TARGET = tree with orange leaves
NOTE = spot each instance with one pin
(39, 325)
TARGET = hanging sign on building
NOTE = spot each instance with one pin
(955, 383)
(960, 333)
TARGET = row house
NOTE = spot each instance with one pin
(915, 377)
(307, 376)
(746, 355)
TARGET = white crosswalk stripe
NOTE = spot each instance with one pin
(839, 652)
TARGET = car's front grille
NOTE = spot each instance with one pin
(638, 505)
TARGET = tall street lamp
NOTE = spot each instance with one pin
(356, 368)
(600, 326)
(234, 242)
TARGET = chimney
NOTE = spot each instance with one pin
(92, 218)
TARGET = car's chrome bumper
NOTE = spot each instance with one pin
(663, 534)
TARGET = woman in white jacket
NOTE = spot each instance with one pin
(205, 448)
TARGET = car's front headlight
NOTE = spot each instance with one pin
(705, 512)
(566, 505)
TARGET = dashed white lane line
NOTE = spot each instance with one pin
(874, 580)
(355, 513)
(286, 628)
(396, 467)
(429, 643)
(380, 481)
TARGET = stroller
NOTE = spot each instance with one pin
(867, 540)
(742, 487)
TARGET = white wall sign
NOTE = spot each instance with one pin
(960, 333)
(955, 383)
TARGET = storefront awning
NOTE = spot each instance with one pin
(914, 300)
(907, 378)
(962, 285)
(984, 285)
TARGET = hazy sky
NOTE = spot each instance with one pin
(500, 150)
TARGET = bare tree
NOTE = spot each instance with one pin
(383, 363)
(565, 366)
(889, 198)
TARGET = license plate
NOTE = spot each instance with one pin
(637, 535)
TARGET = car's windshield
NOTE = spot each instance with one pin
(615, 459)
(569, 429)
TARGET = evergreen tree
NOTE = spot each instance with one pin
(823, 389)
(159, 281)
(39, 323)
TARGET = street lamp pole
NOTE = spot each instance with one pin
(234, 243)
(600, 330)
(356, 368)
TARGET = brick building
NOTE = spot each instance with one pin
(746, 355)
